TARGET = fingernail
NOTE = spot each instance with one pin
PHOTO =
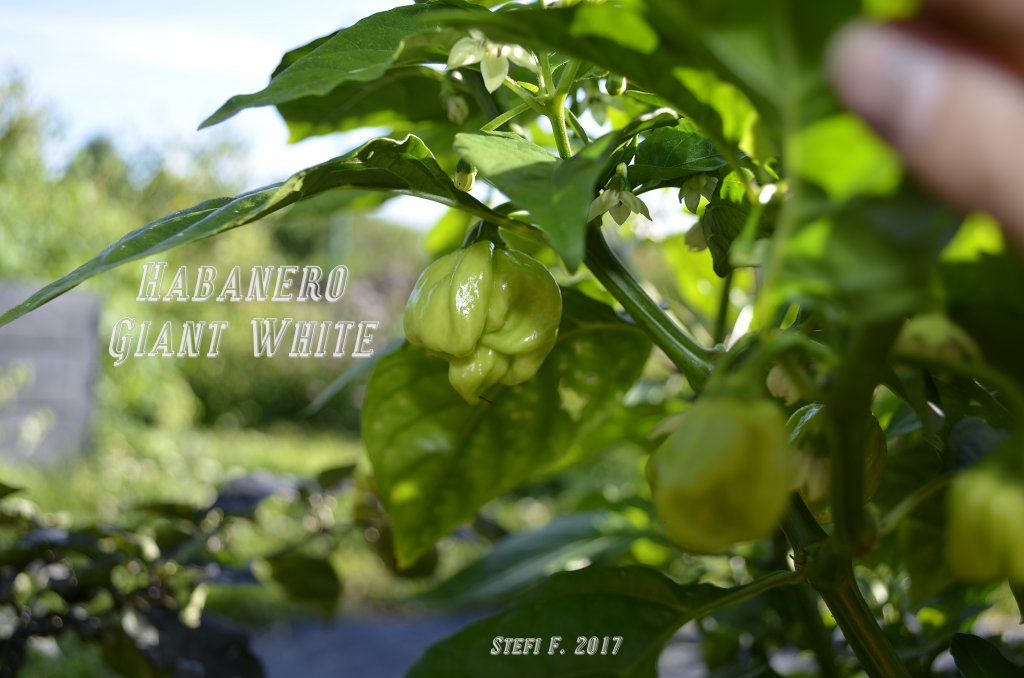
(890, 78)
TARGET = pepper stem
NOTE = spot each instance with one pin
(690, 357)
(484, 230)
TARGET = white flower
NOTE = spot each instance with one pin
(493, 57)
(619, 203)
(456, 108)
(617, 200)
(696, 187)
(781, 385)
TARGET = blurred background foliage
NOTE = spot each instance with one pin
(172, 433)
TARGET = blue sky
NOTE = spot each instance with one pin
(149, 73)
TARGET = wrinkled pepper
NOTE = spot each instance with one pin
(490, 311)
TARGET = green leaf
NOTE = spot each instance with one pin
(872, 260)
(976, 297)
(332, 477)
(638, 604)
(557, 193)
(523, 558)
(843, 156)
(437, 460)
(6, 490)
(723, 221)
(406, 167)
(400, 97)
(671, 153)
(977, 658)
(771, 51)
(617, 24)
(360, 53)
(307, 579)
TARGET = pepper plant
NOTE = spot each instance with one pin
(815, 285)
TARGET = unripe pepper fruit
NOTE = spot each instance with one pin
(490, 311)
(723, 475)
(985, 541)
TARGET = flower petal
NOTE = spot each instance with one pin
(522, 57)
(494, 69)
(690, 197)
(464, 52)
(602, 204)
(620, 212)
(635, 204)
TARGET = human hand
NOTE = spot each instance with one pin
(947, 91)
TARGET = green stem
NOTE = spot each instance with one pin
(689, 356)
(844, 600)
(556, 113)
(848, 407)
(524, 94)
(802, 530)
(506, 117)
(748, 591)
(574, 122)
(544, 76)
(556, 108)
(722, 319)
(831, 574)
(567, 78)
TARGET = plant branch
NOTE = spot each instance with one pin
(848, 408)
(557, 116)
(544, 75)
(556, 107)
(748, 591)
(506, 117)
(722, 319)
(567, 78)
(690, 357)
(831, 574)
(524, 94)
(860, 628)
